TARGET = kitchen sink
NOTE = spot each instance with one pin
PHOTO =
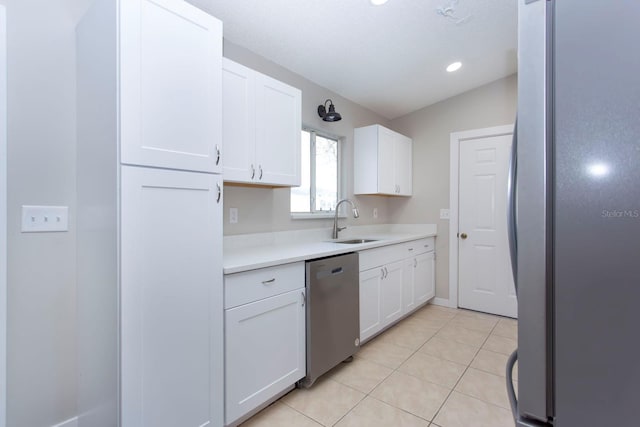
(356, 241)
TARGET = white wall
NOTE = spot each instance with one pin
(41, 170)
(3, 216)
(267, 209)
(490, 105)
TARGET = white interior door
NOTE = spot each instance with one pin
(485, 281)
(3, 215)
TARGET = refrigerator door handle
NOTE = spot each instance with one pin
(511, 206)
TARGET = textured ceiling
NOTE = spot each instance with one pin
(391, 58)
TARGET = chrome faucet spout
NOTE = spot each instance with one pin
(337, 229)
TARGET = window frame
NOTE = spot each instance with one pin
(315, 214)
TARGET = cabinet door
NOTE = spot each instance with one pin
(278, 127)
(170, 85)
(264, 351)
(386, 161)
(238, 122)
(408, 287)
(370, 320)
(403, 165)
(391, 292)
(171, 298)
(424, 278)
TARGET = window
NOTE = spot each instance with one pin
(320, 187)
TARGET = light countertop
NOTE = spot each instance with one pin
(252, 251)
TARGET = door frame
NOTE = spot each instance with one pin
(454, 188)
(3, 214)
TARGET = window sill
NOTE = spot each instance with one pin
(315, 215)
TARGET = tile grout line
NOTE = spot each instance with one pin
(431, 421)
(393, 371)
(461, 376)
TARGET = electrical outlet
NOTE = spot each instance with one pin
(39, 219)
(233, 215)
(444, 213)
(375, 212)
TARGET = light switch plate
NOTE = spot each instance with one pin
(39, 219)
(444, 213)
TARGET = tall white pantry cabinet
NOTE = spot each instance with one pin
(149, 248)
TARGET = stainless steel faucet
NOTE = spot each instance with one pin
(336, 229)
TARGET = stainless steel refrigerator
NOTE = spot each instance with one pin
(576, 213)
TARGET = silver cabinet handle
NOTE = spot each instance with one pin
(266, 282)
(217, 154)
(426, 246)
(260, 167)
(410, 249)
(219, 193)
(304, 298)
(415, 263)
(253, 172)
(382, 271)
(386, 272)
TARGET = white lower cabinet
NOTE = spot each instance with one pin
(370, 313)
(394, 281)
(419, 281)
(264, 341)
(391, 292)
(424, 277)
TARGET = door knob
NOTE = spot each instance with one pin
(463, 236)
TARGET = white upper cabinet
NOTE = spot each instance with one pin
(238, 122)
(261, 122)
(170, 86)
(382, 162)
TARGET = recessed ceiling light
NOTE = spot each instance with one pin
(454, 67)
(377, 2)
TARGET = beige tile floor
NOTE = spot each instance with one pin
(440, 367)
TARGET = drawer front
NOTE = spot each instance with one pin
(254, 285)
(419, 246)
(376, 257)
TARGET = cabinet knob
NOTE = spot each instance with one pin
(463, 236)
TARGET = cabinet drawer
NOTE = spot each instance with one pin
(419, 246)
(376, 257)
(254, 285)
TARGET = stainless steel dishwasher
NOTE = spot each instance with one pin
(333, 313)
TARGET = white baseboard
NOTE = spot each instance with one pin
(443, 302)
(71, 422)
